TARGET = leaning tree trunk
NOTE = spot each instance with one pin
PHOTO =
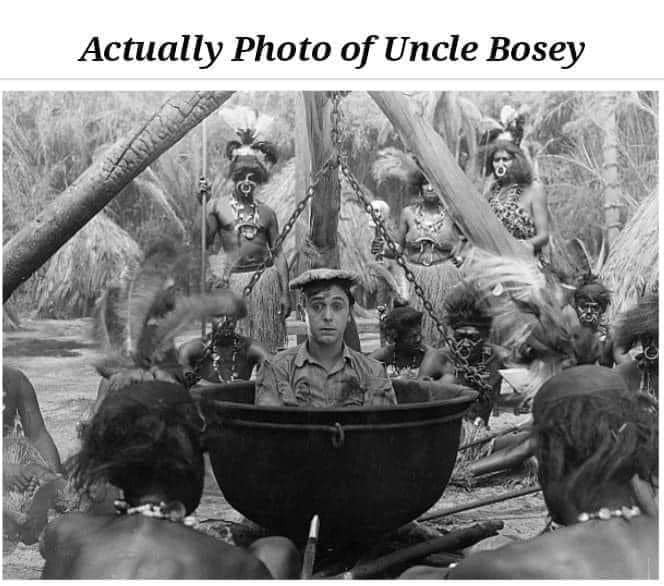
(613, 197)
(32, 246)
(464, 204)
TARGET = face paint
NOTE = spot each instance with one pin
(246, 187)
(469, 343)
(589, 313)
(223, 327)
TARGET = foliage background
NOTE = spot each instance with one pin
(50, 138)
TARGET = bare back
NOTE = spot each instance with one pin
(80, 546)
(592, 550)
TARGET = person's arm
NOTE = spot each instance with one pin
(33, 423)
(280, 264)
(433, 365)
(379, 392)
(540, 216)
(257, 354)
(382, 354)
(273, 385)
(188, 356)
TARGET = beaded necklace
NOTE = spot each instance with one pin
(429, 227)
(603, 514)
(246, 224)
(218, 362)
(173, 512)
(400, 364)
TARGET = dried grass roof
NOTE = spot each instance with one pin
(633, 260)
(85, 266)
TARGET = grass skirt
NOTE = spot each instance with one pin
(436, 281)
(263, 322)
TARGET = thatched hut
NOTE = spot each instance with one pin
(84, 267)
(632, 264)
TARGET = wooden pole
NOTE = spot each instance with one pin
(464, 204)
(326, 202)
(40, 239)
(203, 219)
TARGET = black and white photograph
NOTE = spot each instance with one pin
(330, 334)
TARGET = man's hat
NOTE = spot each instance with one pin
(321, 275)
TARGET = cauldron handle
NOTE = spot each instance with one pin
(338, 436)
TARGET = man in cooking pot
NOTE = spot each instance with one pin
(323, 371)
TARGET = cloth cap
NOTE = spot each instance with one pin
(322, 275)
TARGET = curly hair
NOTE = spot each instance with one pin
(402, 318)
(144, 438)
(590, 287)
(520, 170)
(638, 322)
(463, 306)
(592, 435)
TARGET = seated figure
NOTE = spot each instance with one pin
(405, 355)
(146, 440)
(223, 356)
(596, 445)
(323, 371)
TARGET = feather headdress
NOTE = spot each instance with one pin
(136, 322)
(393, 163)
(253, 154)
(531, 322)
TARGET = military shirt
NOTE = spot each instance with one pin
(295, 378)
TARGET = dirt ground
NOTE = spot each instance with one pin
(57, 357)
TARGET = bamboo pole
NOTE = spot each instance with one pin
(203, 218)
(464, 204)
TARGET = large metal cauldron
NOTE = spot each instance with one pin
(363, 471)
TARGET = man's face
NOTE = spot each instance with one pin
(502, 161)
(429, 194)
(409, 338)
(327, 314)
(246, 187)
(223, 326)
(589, 312)
(469, 342)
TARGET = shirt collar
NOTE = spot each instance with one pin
(303, 355)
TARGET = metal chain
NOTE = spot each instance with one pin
(288, 226)
(475, 375)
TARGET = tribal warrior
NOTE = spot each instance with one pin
(224, 355)
(248, 231)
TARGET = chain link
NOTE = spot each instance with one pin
(288, 226)
(475, 375)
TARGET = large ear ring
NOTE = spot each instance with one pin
(231, 147)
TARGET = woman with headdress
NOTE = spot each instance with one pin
(248, 231)
(515, 196)
(426, 236)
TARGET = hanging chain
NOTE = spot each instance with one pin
(288, 226)
(475, 375)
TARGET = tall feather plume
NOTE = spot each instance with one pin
(243, 117)
(144, 290)
(393, 163)
(188, 310)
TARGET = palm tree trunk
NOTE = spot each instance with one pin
(613, 196)
(33, 245)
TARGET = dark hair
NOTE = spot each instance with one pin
(401, 318)
(144, 437)
(590, 287)
(520, 170)
(316, 287)
(590, 442)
